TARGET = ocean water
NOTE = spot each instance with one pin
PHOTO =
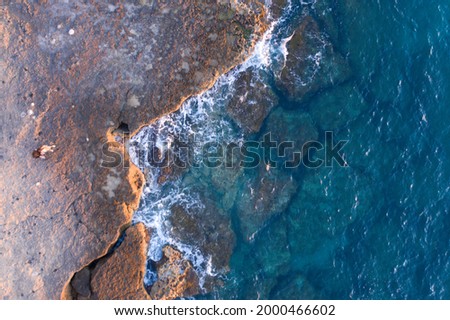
(377, 229)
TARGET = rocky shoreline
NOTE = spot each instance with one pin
(71, 75)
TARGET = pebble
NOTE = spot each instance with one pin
(71, 32)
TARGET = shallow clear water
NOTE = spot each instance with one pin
(377, 229)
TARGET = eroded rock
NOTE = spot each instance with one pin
(312, 63)
(252, 101)
(123, 63)
(208, 229)
(121, 275)
(262, 196)
(277, 7)
(176, 277)
(81, 284)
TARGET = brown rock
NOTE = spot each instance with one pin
(84, 68)
(121, 275)
(252, 101)
(81, 284)
(265, 195)
(176, 277)
(277, 7)
(207, 228)
(312, 63)
(268, 190)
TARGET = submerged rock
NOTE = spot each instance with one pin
(206, 228)
(294, 287)
(267, 189)
(337, 107)
(176, 277)
(320, 212)
(312, 63)
(222, 179)
(252, 100)
(272, 249)
(291, 126)
(372, 159)
(379, 68)
(325, 11)
(262, 196)
(268, 256)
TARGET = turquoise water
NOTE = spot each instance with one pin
(378, 229)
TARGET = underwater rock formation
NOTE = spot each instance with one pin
(313, 211)
(337, 107)
(295, 287)
(207, 228)
(272, 249)
(312, 63)
(291, 126)
(263, 195)
(268, 188)
(252, 101)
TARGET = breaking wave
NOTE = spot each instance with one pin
(201, 119)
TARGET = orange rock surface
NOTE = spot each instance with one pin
(71, 73)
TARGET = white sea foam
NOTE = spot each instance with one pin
(201, 119)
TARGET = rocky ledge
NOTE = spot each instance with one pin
(72, 73)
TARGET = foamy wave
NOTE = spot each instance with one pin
(201, 119)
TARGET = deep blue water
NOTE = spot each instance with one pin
(378, 229)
